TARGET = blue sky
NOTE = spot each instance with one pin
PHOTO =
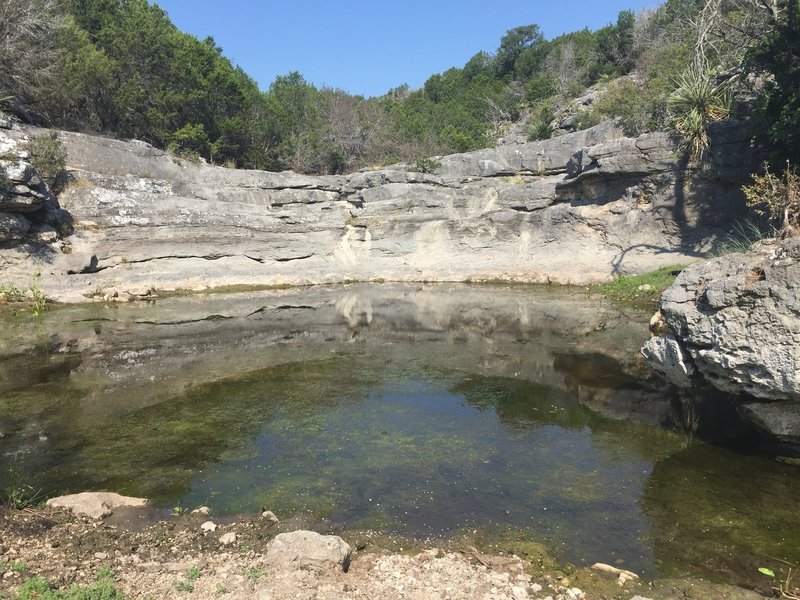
(368, 47)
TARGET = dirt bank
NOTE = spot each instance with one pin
(142, 557)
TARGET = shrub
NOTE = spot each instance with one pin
(542, 114)
(777, 197)
(190, 141)
(586, 119)
(633, 106)
(424, 165)
(49, 159)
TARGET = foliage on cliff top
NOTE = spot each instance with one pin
(122, 67)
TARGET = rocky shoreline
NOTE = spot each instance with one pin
(253, 556)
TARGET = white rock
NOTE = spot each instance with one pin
(519, 593)
(228, 538)
(536, 588)
(208, 526)
(203, 510)
(270, 516)
(300, 549)
(96, 505)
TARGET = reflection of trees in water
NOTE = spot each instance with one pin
(714, 511)
(521, 403)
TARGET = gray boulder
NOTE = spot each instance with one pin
(667, 356)
(13, 227)
(736, 321)
(780, 419)
(21, 189)
(308, 549)
(544, 157)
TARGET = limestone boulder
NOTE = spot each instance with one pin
(735, 321)
(97, 505)
(544, 157)
(308, 549)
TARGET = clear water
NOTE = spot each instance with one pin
(422, 412)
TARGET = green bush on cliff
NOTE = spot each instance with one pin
(49, 159)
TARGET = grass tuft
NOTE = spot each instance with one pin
(641, 289)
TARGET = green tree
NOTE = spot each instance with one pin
(28, 48)
(779, 104)
(513, 44)
(81, 94)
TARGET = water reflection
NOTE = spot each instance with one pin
(423, 410)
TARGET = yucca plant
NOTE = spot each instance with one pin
(696, 102)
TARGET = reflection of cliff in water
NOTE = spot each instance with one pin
(93, 377)
(630, 391)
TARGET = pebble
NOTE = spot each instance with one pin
(203, 510)
(208, 526)
(270, 516)
(536, 588)
(519, 593)
(227, 539)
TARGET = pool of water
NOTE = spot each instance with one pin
(421, 411)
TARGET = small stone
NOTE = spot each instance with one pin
(270, 516)
(519, 593)
(536, 588)
(658, 325)
(227, 539)
(202, 510)
(208, 526)
(101, 555)
(639, 598)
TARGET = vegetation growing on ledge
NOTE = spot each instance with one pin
(642, 289)
(32, 297)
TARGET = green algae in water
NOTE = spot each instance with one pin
(393, 437)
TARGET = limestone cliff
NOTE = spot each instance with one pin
(576, 209)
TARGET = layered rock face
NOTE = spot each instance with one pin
(28, 211)
(576, 209)
(735, 324)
